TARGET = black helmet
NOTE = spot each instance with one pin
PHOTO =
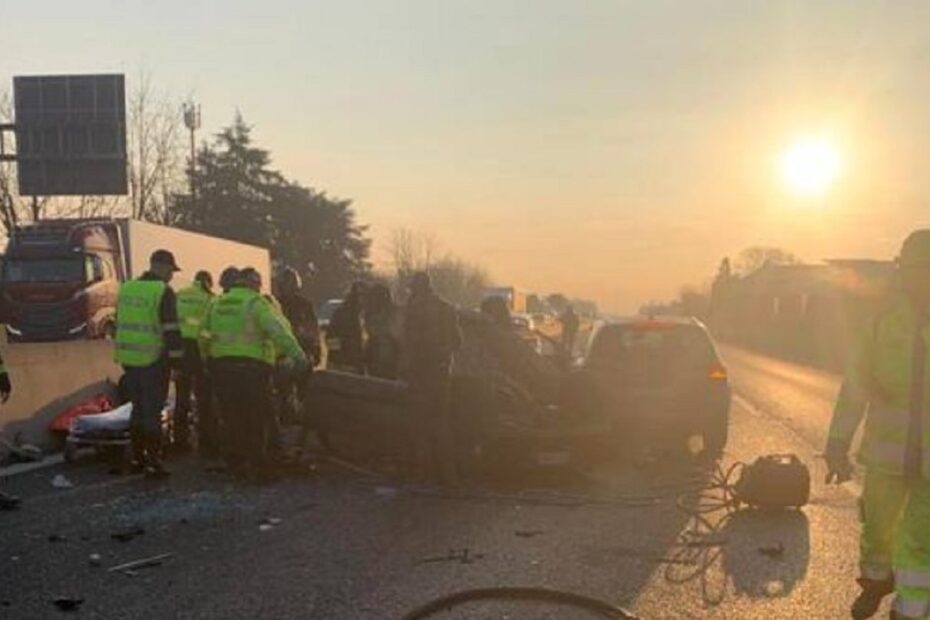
(229, 278)
(251, 278)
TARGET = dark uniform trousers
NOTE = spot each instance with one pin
(433, 449)
(148, 391)
(192, 378)
(243, 388)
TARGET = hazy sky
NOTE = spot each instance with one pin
(610, 149)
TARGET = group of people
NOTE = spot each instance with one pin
(365, 332)
(225, 349)
(252, 356)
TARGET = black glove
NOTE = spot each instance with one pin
(839, 467)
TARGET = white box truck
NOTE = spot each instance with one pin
(61, 277)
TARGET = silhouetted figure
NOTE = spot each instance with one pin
(345, 327)
(431, 338)
(300, 313)
(496, 308)
(382, 348)
(570, 325)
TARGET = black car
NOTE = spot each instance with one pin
(660, 380)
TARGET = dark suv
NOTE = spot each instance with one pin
(661, 381)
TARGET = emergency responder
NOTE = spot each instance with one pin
(300, 313)
(431, 338)
(192, 376)
(148, 345)
(888, 384)
(346, 332)
(245, 336)
(7, 502)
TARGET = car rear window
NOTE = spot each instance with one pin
(663, 343)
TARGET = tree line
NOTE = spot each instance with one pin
(698, 300)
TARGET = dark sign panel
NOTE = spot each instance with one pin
(70, 134)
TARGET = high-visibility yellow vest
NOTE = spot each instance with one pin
(234, 331)
(193, 305)
(878, 387)
(139, 340)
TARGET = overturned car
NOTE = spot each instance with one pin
(510, 405)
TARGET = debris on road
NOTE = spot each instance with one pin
(268, 523)
(528, 533)
(462, 556)
(61, 482)
(94, 559)
(68, 603)
(57, 538)
(774, 552)
(129, 567)
(128, 534)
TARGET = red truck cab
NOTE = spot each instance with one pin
(60, 280)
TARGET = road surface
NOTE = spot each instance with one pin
(335, 544)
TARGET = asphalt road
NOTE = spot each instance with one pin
(335, 544)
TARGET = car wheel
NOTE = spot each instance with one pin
(70, 453)
(716, 432)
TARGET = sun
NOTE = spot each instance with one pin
(809, 166)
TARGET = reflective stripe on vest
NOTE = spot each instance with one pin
(912, 578)
(138, 323)
(911, 607)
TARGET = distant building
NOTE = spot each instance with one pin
(809, 312)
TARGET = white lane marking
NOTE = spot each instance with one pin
(853, 487)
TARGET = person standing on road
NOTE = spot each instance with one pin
(570, 325)
(7, 502)
(245, 336)
(888, 385)
(192, 377)
(431, 339)
(300, 313)
(346, 331)
(382, 347)
(148, 345)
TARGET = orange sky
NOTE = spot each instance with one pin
(609, 149)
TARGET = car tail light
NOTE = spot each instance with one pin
(717, 373)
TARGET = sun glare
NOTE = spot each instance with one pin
(809, 166)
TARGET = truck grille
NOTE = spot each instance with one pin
(43, 321)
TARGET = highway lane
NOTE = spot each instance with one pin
(799, 396)
(342, 546)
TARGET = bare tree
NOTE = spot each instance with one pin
(156, 166)
(411, 250)
(457, 280)
(155, 146)
(756, 257)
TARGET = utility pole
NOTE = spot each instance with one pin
(192, 122)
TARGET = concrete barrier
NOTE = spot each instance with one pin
(47, 379)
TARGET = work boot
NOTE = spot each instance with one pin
(153, 465)
(137, 447)
(870, 599)
(8, 502)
